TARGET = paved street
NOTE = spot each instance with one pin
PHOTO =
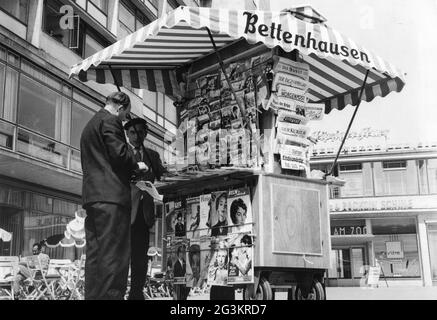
(357, 293)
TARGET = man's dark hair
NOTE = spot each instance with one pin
(246, 240)
(118, 98)
(180, 250)
(239, 203)
(38, 245)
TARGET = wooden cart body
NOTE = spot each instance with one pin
(291, 223)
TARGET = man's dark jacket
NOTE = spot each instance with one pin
(156, 169)
(107, 161)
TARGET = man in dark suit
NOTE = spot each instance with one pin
(107, 165)
(143, 208)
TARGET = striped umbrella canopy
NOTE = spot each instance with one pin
(150, 57)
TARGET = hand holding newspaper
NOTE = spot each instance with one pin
(150, 189)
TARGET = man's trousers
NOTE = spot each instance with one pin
(139, 258)
(107, 229)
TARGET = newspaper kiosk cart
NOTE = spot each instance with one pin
(291, 228)
(268, 74)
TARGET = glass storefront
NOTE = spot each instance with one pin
(396, 247)
(432, 244)
(32, 217)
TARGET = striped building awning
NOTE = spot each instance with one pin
(148, 58)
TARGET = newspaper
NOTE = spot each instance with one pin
(293, 130)
(290, 117)
(292, 93)
(289, 80)
(314, 111)
(150, 189)
(297, 69)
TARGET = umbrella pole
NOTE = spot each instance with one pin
(115, 79)
(223, 70)
(350, 125)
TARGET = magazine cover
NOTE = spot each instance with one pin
(205, 259)
(179, 225)
(227, 116)
(179, 254)
(218, 218)
(238, 148)
(239, 210)
(240, 269)
(218, 266)
(193, 264)
(193, 218)
(170, 217)
(204, 205)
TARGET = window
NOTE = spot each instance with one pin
(127, 20)
(89, 41)
(170, 110)
(131, 19)
(432, 175)
(98, 9)
(101, 4)
(53, 28)
(2, 86)
(353, 175)
(91, 46)
(423, 179)
(10, 95)
(395, 177)
(432, 245)
(394, 164)
(16, 8)
(43, 110)
(79, 118)
(350, 167)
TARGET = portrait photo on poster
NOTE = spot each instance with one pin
(218, 214)
(193, 218)
(180, 213)
(241, 269)
(218, 266)
(239, 210)
(170, 217)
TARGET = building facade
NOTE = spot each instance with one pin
(43, 112)
(385, 215)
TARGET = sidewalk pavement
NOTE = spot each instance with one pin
(358, 293)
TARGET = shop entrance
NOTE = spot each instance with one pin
(10, 221)
(347, 265)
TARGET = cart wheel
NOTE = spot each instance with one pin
(291, 293)
(316, 292)
(263, 292)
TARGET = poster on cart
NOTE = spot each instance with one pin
(218, 266)
(193, 264)
(217, 220)
(241, 269)
(170, 218)
(239, 211)
(193, 218)
(205, 259)
(179, 224)
(204, 206)
(179, 254)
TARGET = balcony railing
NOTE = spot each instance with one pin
(20, 140)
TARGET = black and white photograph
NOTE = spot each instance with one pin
(289, 151)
